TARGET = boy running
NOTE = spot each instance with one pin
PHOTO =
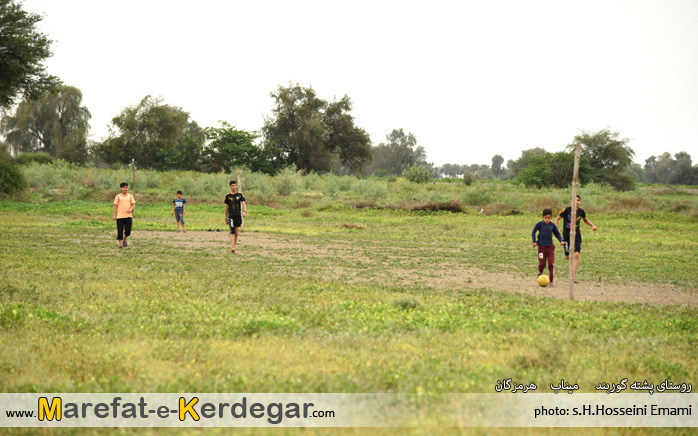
(546, 248)
(178, 210)
(566, 215)
(235, 209)
(124, 204)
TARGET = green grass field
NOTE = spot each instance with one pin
(326, 297)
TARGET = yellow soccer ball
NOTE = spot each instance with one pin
(543, 281)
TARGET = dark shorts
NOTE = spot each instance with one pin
(123, 227)
(577, 243)
(179, 216)
(233, 222)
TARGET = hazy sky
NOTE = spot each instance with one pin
(469, 78)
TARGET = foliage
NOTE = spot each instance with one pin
(621, 182)
(12, 181)
(23, 49)
(608, 154)
(228, 148)
(664, 169)
(185, 154)
(155, 134)
(417, 174)
(555, 169)
(637, 172)
(399, 152)
(40, 157)
(478, 197)
(605, 150)
(54, 123)
(516, 166)
(314, 134)
(452, 170)
(497, 161)
(287, 181)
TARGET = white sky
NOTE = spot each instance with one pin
(469, 78)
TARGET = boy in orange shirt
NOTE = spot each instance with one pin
(124, 203)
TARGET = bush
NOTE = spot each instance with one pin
(40, 157)
(312, 182)
(417, 174)
(287, 181)
(152, 180)
(370, 189)
(332, 186)
(12, 181)
(621, 182)
(468, 179)
(478, 197)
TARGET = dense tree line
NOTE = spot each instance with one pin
(398, 153)
(672, 171)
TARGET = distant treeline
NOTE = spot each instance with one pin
(305, 132)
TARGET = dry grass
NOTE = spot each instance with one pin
(302, 204)
(538, 203)
(635, 204)
(353, 226)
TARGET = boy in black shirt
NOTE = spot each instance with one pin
(566, 215)
(235, 209)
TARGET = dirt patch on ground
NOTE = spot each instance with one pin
(340, 260)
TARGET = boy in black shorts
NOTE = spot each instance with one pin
(566, 215)
(235, 209)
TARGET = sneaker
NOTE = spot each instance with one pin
(539, 274)
(125, 243)
(552, 285)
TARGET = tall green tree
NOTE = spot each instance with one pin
(148, 132)
(667, 170)
(399, 152)
(636, 171)
(497, 161)
(185, 154)
(609, 153)
(55, 123)
(651, 169)
(228, 148)
(555, 169)
(682, 173)
(23, 49)
(516, 166)
(313, 134)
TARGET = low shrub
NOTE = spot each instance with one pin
(12, 181)
(40, 157)
(478, 197)
(417, 174)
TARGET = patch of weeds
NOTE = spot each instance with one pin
(407, 304)
(12, 316)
